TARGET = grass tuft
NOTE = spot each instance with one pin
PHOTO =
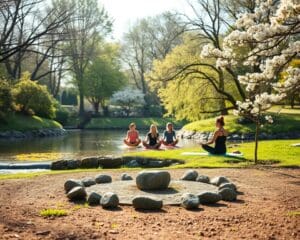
(53, 212)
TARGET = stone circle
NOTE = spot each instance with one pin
(209, 197)
(94, 198)
(103, 178)
(189, 201)
(71, 183)
(77, 193)
(228, 194)
(189, 175)
(109, 200)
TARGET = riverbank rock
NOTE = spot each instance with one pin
(87, 182)
(147, 203)
(110, 162)
(217, 181)
(103, 178)
(94, 198)
(126, 177)
(153, 180)
(189, 201)
(77, 193)
(189, 175)
(109, 200)
(228, 185)
(228, 194)
(71, 183)
(203, 179)
(90, 162)
(209, 197)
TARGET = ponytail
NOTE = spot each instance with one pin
(220, 120)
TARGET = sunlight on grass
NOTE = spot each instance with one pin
(53, 212)
(39, 156)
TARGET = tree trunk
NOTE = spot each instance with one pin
(81, 102)
(96, 107)
(256, 141)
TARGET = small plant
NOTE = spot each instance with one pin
(53, 212)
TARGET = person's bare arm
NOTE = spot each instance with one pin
(216, 134)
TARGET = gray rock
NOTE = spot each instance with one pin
(77, 193)
(59, 165)
(90, 162)
(153, 180)
(133, 163)
(203, 179)
(228, 194)
(209, 197)
(189, 201)
(103, 178)
(73, 164)
(156, 164)
(110, 161)
(87, 182)
(219, 180)
(126, 177)
(109, 200)
(189, 175)
(71, 183)
(228, 185)
(147, 203)
(94, 198)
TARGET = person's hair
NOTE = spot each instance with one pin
(168, 124)
(220, 120)
(131, 125)
(151, 126)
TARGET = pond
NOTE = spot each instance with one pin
(75, 144)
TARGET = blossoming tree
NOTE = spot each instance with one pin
(265, 41)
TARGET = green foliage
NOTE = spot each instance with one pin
(19, 122)
(62, 115)
(6, 98)
(69, 97)
(32, 98)
(122, 123)
(276, 152)
(53, 212)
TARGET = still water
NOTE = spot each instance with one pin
(75, 144)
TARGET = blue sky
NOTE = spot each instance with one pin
(126, 12)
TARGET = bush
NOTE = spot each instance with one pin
(62, 116)
(6, 98)
(32, 98)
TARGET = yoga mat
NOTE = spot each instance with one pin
(296, 145)
(207, 154)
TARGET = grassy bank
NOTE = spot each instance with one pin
(122, 123)
(23, 123)
(279, 153)
(286, 122)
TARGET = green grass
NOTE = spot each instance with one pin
(122, 123)
(23, 123)
(282, 123)
(279, 153)
(53, 212)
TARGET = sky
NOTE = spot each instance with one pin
(126, 12)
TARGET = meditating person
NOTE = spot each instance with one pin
(219, 139)
(132, 139)
(169, 136)
(152, 140)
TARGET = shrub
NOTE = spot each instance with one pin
(5, 98)
(32, 98)
(62, 115)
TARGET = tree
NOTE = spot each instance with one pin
(87, 26)
(6, 98)
(103, 78)
(128, 98)
(270, 39)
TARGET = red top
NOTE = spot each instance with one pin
(133, 136)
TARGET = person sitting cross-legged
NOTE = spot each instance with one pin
(132, 139)
(219, 139)
(152, 141)
(169, 136)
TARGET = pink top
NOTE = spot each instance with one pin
(133, 136)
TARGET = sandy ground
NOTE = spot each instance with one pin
(268, 209)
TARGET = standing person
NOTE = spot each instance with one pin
(219, 139)
(132, 138)
(152, 140)
(169, 136)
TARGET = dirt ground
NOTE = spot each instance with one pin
(268, 208)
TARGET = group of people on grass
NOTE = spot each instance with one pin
(153, 140)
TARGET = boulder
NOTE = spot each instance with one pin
(110, 162)
(203, 179)
(228, 185)
(132, 163)
(87, 182)
(147, 203)
(228, 194)
(189, 201)
(153, 180)
(125, 177)
(209, 197)
(189, 175)
(219, 180)
(103, 178)
(90, 162)
(59, 165)
(71, 183)
(94, 198)
(157, 164)
(73, 164)
(109, 200)
(77, 193)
